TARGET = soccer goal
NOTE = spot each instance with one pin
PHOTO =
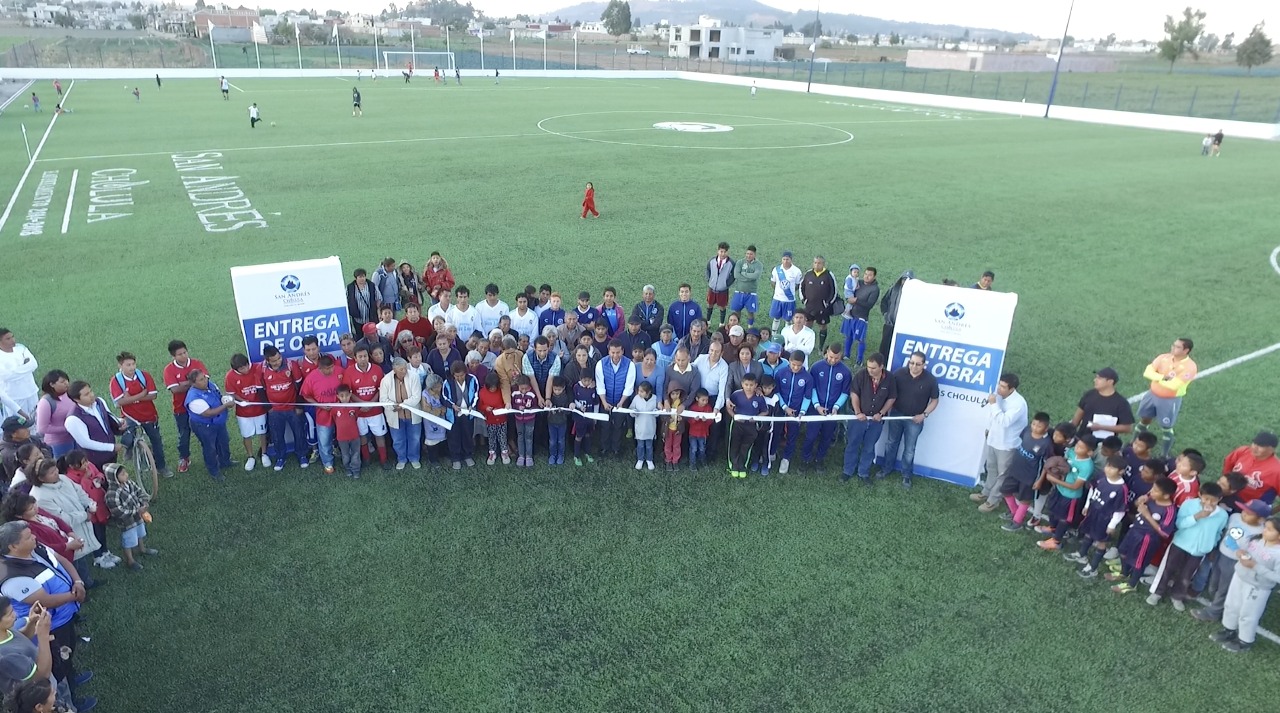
(422, 61)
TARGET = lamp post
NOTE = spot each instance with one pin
(813, 48)
(1057, 69)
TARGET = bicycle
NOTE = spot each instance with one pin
(138, 449)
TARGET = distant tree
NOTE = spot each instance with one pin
(617, 17)
(489, 26)
(64, 19)
(1255, 49)
(1110, 41)
(894, 39)
(808, 30)
(284, 29)
(1228, 42)
(1070, 41)
(966, 35)
(577, 23)
(138, 21)
(1207, 42)
(332, 13)
(1181, 36)
(876, 40)
(851, 39)
(262, 12)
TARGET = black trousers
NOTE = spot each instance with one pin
(611, 433)
(60, 638)
(1179, 567)
(742, 435)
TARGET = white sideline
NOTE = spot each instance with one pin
(16, 95)
(1226, 364)
(1275, 258)
(4, 218)
(71, 197)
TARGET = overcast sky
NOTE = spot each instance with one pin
(1131, 19)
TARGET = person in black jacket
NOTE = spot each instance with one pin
(362, 303)
(889, 308)
(818, 289)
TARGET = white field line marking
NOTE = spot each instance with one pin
(4, 218)
(17, 95)
(301, 146)
(1275, 258)
(340, 79)
(1223, 366)
(238, 89)
(71, 196)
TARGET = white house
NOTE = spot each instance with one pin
(708, 39)
(42, 14)
(592, 28)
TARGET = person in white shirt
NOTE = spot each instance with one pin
(253, 115)
(798, 337)
(462, 315)
(387, 322)
(440, 308)
(1004, 433)
(524, 321)
(17, 373)
(713, 375)
(491, 309)
(786, 282)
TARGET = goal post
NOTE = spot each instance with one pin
(422, 61)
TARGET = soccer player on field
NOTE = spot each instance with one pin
(253, 115)
(244, 382)
(720, 275)
(281, 380)
(365, 381)
(226, 88)
(786, 280)
(1170, 374)
(355, 103)
(746, 280)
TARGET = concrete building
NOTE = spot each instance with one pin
(224, 18)
(592, 28)
(1003, 62)
(709, 39)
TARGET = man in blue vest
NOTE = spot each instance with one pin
(793, 387)
(615, 382)
(831, 380)
(208, 409)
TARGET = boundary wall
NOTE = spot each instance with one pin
(1160, 122)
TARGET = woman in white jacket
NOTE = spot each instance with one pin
(403, 389)
(58, 495)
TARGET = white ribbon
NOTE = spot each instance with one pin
(812, 418)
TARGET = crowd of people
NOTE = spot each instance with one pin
(428, 378)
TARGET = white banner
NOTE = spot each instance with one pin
(963, 333)
(279, 304)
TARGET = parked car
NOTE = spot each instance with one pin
(637, 50)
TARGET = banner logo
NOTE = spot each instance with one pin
(954, 311)
(290, 284)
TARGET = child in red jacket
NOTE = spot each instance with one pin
(91, 480)
(589, 202)
(496, 425)
(699, 428)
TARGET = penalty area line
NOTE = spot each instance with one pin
(71, 197)
(4, 218)
(1224, 365)
(238, 89)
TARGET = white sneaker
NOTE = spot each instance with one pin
(648, 464)
(399, 466)
(639, 465)
(1112, 554)
(103, 563)
(250, 464)
(266, 462)
(784, 466)
(416, 465)
(1153, 600)
(113, 557)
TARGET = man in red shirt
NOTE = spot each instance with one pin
(244, 382)
(175, 380)
(321, 387)
(280, 378)
(134, 391)
(307, 363)
(1258, 463)
(418, 325)
(365, 380)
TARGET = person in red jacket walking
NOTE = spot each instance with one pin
(589, 202)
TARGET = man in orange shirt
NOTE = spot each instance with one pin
(1169, 374)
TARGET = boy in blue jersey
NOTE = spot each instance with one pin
(1067, 499)
(1024, 469)
(746, 403)
(1104, 508)
(1200, 524)
(584, 401)
(762, 451)
(683, 313)
(831, 383)
(587, 315)
(794, 386)
(551, 315)
(1152, 527)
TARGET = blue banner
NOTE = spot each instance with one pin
(286, 331)
(965, 366)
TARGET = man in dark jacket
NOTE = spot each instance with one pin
(818, 290)
(889, 308)
(17, 433)
(362, 301)
(864, 296)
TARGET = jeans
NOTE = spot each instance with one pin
(524, 439)
(860, 451)
(406, 441)
(214, 446)
(557, 441)
(350, 451)
(152, 430)
(905, 433)
(62, 449)
(697, 449)
(278, 422)
(644, 449)
(324, 440)
(183, 421)
(817, 440)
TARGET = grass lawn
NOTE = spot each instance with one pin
(600, 588)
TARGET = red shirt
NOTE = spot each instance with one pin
(590, 197)
(344, 419)
(1263, 475)
(282, 385)
(246, 387)
(175, 375)
(1187, 489)
(489, 401)
(322, 389)
(141, 383)
(699, 427)
(305, 367)
(422, 330)
(364, 386)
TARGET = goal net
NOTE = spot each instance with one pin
(423, 62)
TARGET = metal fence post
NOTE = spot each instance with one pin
(863, 83)
(924, 85)
(1154, 95)
(1026, 85)
(902, 84)
(68, 49)
(998, 78)
(883, 73)
(947, 89)
(1119, 91)
(845, 79)
(1084, 99)
(1234, 103)
(1276, 120)
(1192, 109)
(973, 79)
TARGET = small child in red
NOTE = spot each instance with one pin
(589, 202)
(496, 425)
(347, 432)
(699, 429)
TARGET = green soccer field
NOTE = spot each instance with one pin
(601, 589)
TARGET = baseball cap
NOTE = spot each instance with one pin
(1107, 372)
(1261, 508)
(1266, 439)
(16, 666)
(774, 348)
(667, 328)
(753, 332)
(13, 424)
(853, 267)
(736, 331)
(370, 329)
(786, 253)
